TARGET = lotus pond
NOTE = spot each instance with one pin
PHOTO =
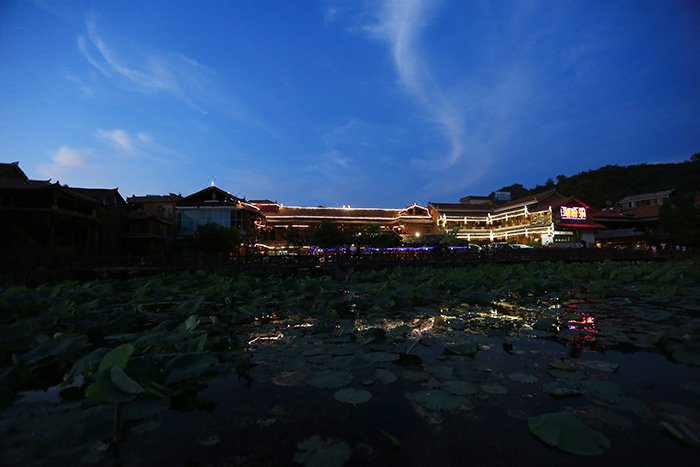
(547, 363)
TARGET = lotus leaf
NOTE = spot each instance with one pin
(124, 382)
(600, 365)
(385, 376)
(189, 307)
(188, 366)
(460, 388)
(523, 377)
(563, 375)
(210, 440)
(435, 399)
(348, 362)
(329, 379)
(562, 365)
(557, 390)
(567, 432)
(107, 390)
(315, 452)
(119, 356)
(381, 357)
(493, 388)
(352, 396)
(467, 350)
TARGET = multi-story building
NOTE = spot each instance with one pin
(546, 218)
(44, 218)
(213, 205)
(409, 222)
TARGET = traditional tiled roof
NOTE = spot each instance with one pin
(16, 184)
(172, 197)
(12, 171)
(629, 215)
(540, 199)
(644, 196)
(100, 193)
(471, 199)
(461, 209)
(262, 201)
(214, 196)
(347, 214)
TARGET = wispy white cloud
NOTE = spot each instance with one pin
(144, 137)
(70, 157)
(147, 72)
(64, 161)
(137, 144)
(400, 24)
(119, 138)
(142, 70)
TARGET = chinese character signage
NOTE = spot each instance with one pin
(575, 213)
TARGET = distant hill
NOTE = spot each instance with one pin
(606, 185)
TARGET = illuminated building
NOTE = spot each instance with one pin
(546, 218)
(410, 222)
(633, 221)
(213, 205)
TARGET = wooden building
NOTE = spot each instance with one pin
(152, 223)
(633, 221)
(42, 218)
(161, 206)
(546, 218)
(409, 223)
(213, 205)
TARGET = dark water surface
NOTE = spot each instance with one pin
(257, 422)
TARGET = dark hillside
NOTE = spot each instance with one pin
(611, 183)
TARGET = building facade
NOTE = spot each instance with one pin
(407, 223)
(213, 205)
(546, 218)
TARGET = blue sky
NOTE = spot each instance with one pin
(374, 104)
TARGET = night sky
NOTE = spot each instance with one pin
(369, 104)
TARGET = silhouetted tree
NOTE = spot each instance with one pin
(294, 237)
(217, 240)
(373, 235)
(328, 235)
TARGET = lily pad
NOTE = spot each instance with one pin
(493, 388)
(124, 382)
(348, 362)
(329, 379)
(385, 376)
(562, 365)
(567, 432)
(566, 375)
(435, 399)
(600, 365)
(460, 388)
(466, 350)
(188, 366)
(556, 389)
(352, 396)
(380, 357)
(119, 356)
(315, 452)
(523, 377)
(210, 440)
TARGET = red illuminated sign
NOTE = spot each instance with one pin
(575, 213)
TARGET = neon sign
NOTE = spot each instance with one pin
(575, 213)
